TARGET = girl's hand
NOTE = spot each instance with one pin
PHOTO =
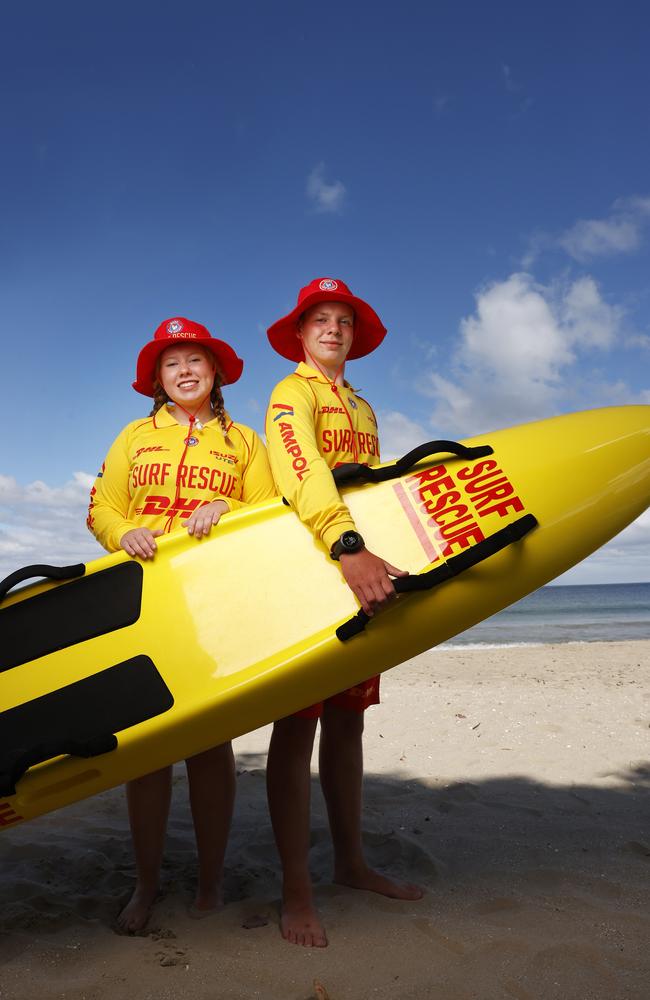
(202, 520)
(139, 542)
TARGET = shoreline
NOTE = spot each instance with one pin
(512, 783)
(449, 646)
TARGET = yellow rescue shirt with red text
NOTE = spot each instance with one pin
(310, 429)
(143, 484)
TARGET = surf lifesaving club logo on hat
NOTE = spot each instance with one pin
(175, 329)
(328, 285)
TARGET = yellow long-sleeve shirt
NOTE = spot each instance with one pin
(311, 427)
(143, 484)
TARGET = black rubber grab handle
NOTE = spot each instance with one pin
(51, 572)
(16, 762)
(457, 564)
(350, 472)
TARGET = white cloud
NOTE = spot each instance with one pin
(326, 197)
(516, 351)
(622, 230)
(600, 237)
(45, 524)
(619, 232)
(590, 321)
(641, 340)
(398, 434)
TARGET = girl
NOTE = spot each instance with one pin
(184, 465)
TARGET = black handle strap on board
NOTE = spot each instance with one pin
(16, 762)
(457, 564)
(351, 472)
(50, 572)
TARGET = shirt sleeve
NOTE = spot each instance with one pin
(257, 480)
(300, 472)
(110, 498)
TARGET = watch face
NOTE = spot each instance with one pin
(351, 540)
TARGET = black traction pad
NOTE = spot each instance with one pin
(81, 718)
(70, 613)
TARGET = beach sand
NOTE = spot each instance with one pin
(512, 784)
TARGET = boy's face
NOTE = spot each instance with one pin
(327, 330)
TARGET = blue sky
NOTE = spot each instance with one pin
(479, 173)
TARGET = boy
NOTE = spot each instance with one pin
(330, 425)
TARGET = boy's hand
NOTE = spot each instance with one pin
(369, 578)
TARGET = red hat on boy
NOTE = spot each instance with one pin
(179, 330)
(369, 331)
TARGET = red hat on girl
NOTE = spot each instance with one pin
(369, 330)
(183, 331)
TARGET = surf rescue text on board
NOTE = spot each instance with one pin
(453, 507)
(8, 815)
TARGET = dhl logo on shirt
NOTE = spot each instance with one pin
(156, 447)
(156, 506)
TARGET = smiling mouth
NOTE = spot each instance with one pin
(187, 385)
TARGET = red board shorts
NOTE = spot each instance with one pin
(355, 699)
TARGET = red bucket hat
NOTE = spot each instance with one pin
(369, 331)
(179, 330)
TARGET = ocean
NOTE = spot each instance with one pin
(586, 613)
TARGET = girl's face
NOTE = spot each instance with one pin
(186, 373)
(326, 332)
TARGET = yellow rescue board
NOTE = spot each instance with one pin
(139, 665)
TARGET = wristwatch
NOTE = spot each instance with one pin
(349, 542)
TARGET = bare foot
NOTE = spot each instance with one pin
(300, 923)
(372, 881)
(207, 901)
(136, 913)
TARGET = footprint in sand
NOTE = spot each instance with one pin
(167, 960)
(638, 847)
(513, 989)
(171, 955)
(456, 795)
(402, 857)
(464, 791)
(427, 927)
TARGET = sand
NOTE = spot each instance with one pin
(512, 784)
